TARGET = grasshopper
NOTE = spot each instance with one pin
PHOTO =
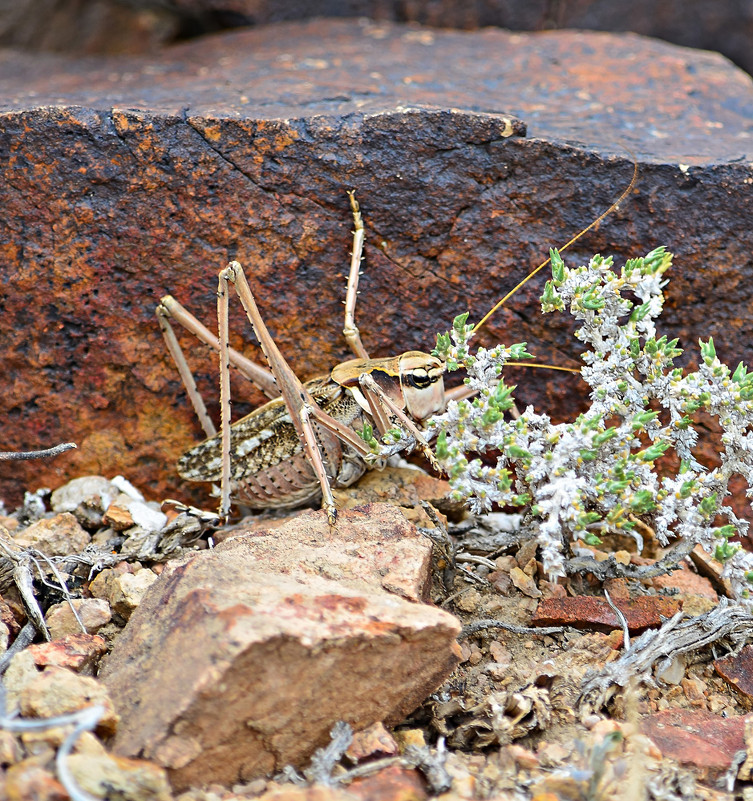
(312, 436)
(306, 439)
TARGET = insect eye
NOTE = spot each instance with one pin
(419, 381)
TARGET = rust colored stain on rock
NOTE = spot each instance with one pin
(123, 179)
(590, 612)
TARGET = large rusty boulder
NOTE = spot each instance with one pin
(122, 179)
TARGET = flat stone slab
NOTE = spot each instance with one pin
(237, 662)
(697, 738)
(472, 153)
(592, 613)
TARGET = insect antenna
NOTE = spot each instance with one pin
(625, 192)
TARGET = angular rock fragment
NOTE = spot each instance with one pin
(106, 776)
(21, 672)
(60, 535)
(98, 491)
(93, 613)
(122, 590)
(371, 742)
(58, 691)
(80, 652)
(238, 661)
(737, 669)
(28, 779)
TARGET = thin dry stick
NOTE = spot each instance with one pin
(621, 618)
(8, 456)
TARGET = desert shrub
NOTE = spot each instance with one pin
(580, 480)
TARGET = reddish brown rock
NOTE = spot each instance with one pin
(79, 652)
(391, 784)
(238, 662)
(117, 517)
(590, 612)
(711, 569)
(738, 670)
(122, 179)
(371, 742)
(686, 583)
(696, 738)
(113, 27)
(8, 617)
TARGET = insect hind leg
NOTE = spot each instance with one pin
(297, 398)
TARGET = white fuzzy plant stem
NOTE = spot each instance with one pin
(596, 475)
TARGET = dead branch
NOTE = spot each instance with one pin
(731, 622)
(485, 625)
(611, 568)
(8, 456)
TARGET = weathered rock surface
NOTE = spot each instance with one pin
(372, 547)
(239, 660)
(125, 178)
(696, 737)
(109, 26)
(93, 613)
(80, 652)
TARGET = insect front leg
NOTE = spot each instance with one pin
(186, 376)
(169, 309)
(382, 406)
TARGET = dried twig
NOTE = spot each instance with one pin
(82, 720)
(325, 759)
(611, 568)
(431, 762)
(15, 568)
(725, 622)
(23, 638)
(621, 618)
(8, 456)
(483, 625)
